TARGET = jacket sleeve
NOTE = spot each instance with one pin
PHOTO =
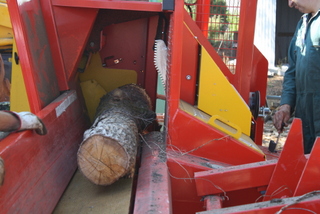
(289, 83)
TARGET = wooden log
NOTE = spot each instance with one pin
(109, 147)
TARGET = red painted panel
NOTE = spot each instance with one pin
(192, 135)
(189, 67)
(259, 83)
(183, 189)
(119, 5)
(38, 168)
(174, 61)
(182, 168)
(290, 165)
(245, 48)
(151, 76)
(154, 188)
(54, 44)
(233, 178)
(259, 75)
(73, 29)
(311, 172)
(203, 12)
(204, 42)
(126, 43)
(296, 205)
(34, 53)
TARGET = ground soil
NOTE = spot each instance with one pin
(274, 85)
(274, 88)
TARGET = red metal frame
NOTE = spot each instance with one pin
(258, 83)
(247, 55)
(35, 60)
(245, 50)
(295, 205)
(118, 5)
(43, 166)
(310, 173)
(190, 57)
(225, 186)
(184, 130)
(289, 167)
(153, 188)
(234, 178)
(38, 168)
(189, 75)
(69, 37)
(213, 144)
(200, 161)
(182, 168)
(203, 12)
(280, 177)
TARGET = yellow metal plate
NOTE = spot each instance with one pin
(97, 80)
(18, 94)
(5, 23)
(222, 125)
(217, 97)
(92, 92)
(109, 79)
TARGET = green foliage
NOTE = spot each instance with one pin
(223, 23)
(218, 23)
(219, 8)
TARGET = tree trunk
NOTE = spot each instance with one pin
(108, 150)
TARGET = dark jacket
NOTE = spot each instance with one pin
(301, 86)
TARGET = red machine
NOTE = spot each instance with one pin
(212, 159)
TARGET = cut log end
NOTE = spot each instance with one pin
(102, 160)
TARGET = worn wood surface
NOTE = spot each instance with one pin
(84, 197)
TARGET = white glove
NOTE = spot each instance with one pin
(31, 121)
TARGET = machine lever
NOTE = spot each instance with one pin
(272, 144)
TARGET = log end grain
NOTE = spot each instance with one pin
(102, 160)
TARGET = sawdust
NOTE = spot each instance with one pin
(274, 88)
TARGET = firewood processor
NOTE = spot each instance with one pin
(191, 144)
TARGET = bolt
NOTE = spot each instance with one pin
(188, 77)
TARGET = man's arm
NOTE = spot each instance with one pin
(8, 122)
(288, 96)
(13, 121)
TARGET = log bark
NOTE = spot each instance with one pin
(109, 147)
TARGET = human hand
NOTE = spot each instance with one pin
(31, 121)
(281, 117)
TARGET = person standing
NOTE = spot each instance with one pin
(301, 85)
